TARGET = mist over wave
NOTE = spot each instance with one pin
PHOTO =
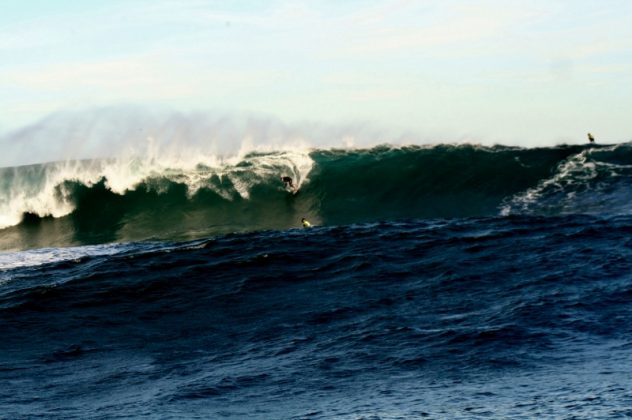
(128, 173)
(142, 132)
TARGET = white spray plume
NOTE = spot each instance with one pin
(123, 131)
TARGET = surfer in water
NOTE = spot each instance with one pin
(591, 139)
(288, 182)
(306, 223)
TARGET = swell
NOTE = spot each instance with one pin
(103, 201)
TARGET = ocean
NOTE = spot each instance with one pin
(447, 282)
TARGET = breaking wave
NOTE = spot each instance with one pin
(106, 200)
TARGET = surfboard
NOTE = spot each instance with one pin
(292, 190)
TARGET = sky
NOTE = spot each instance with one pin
(519, 72)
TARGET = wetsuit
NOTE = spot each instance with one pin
(288, 181)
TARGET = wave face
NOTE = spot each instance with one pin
(96, 201)
(503, 317)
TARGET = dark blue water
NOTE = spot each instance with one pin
(526, 316)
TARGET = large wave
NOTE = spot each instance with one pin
(94, 201)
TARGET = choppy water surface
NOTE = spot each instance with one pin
(518, 316)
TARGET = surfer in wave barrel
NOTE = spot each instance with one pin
(288, 182)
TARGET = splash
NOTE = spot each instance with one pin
(50, 190)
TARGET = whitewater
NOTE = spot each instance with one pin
(172, 279)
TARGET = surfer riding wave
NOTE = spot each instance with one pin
(287, 181)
